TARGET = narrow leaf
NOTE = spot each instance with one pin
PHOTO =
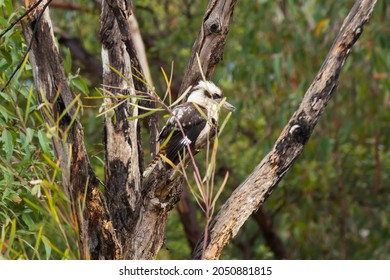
(167, 160)
(44, 142)
(8, 144)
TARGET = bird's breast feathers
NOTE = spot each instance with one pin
(195, 128)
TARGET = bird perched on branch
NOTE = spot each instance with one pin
(205, 97)
(198, 118)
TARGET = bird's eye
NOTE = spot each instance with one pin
(216, 96)
(208, 94)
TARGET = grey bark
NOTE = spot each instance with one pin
(123, 157)
(210, 42)
(96, 232)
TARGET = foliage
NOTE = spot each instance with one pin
(34, 211)
(332, 204)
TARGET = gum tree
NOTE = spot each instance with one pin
(125, 216)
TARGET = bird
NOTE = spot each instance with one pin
(198, 118)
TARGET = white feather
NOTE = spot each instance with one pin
(185, 141)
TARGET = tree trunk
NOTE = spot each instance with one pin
(121, 139)
(97, 235)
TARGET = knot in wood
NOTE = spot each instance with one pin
(300, 132)
(213, 26)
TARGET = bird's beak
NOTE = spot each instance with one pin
(228, 106)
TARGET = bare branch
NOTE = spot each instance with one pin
(139, 223)
(210, 42)
(252, 193)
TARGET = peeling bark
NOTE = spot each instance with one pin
(258, 186)
(123, 160)
(152, 121)
(138, 216)
(95, 229)
(210, 42)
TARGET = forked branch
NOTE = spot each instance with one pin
(252, 193)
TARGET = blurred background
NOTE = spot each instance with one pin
(332, 204)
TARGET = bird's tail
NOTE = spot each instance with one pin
(152, 165)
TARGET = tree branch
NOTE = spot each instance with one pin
(123, 160)
(210, 42)
(143, 67)
(252, 193)
(139, 220)
(161, 185)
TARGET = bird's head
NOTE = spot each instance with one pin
(208, 95)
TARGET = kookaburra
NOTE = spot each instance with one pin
(208, 98)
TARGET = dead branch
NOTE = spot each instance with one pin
(210, 42)
(258, 186)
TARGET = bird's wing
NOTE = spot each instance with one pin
(192, 122)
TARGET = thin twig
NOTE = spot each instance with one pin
(20, 18)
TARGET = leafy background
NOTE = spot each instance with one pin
(332, 204)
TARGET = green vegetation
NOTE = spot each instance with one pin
(332, 204)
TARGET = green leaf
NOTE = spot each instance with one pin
(7, 56)
(8, 144)
(28, 138)
(141, 116)
(47, 244)
(28, 221)
(6, 114)
(44, 142)
(68, 60)
(167, 160)
(28, 104)
(12, 235)
(9, 6)
(14, 197)
(80, 84)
